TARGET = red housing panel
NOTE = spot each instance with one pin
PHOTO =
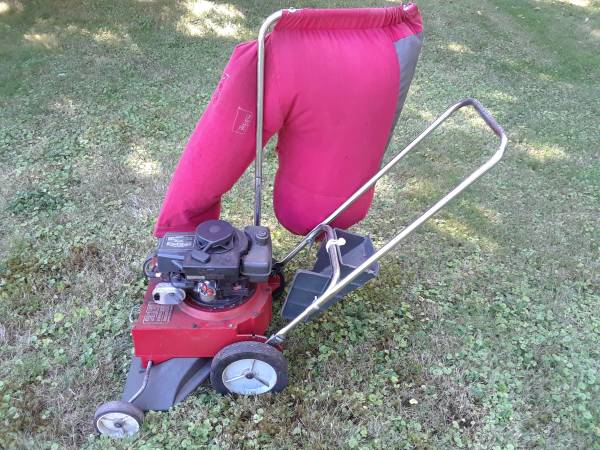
(162, 332)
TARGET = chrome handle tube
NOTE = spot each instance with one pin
(332, 290)
(333, 250)
(487, 117)
(260, 103)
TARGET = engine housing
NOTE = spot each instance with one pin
(217, 265)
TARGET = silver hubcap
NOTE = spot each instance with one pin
(249, 377)
(117, 425)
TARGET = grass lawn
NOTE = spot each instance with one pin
(482, 330)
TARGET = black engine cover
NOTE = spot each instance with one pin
(217, 251)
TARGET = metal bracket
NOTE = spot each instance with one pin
(144, 383)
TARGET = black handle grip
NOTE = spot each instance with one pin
(484, 114)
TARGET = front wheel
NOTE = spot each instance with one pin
(118, 419)
(249, 368)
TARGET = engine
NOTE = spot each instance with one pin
(217, 266)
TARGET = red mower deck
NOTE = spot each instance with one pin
(162, 332)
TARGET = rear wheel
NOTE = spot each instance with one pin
(249, 368)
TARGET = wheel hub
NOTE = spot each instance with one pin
(249, 377)
(116, 424)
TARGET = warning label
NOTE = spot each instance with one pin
(157, 313)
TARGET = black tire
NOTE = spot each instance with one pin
(252, 351)
(120, 407)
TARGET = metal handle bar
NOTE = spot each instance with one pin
(144, 383)
(260, 89)
(485, 115)
(334, 289)
(333, 250)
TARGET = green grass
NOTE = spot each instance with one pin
(488, 318)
